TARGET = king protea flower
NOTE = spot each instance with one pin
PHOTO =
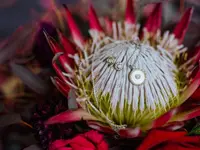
(127, 79)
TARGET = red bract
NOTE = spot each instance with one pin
(165, 140)
(76, 67)
(91, 140)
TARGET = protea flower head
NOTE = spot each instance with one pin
(127, 78)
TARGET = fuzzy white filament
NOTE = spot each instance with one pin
(158, 88)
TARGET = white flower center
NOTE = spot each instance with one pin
(141, 75)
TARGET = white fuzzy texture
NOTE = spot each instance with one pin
(158, 87)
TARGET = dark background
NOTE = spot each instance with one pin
(18, 12)
(14, 13)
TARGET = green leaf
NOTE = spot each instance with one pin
(195, 130)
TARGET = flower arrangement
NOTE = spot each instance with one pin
(128, 80)
(125, 86)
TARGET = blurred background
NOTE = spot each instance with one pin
(25, 57)
(14, 13)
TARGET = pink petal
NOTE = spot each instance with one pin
(108, 25)
(181, 28)
(192, 88)
(194, 113)
(78, 147)
(58, 71)
(81, 142)
(94, 136)
(94, 22)
(65, 61)
(62, 87)
(148, 9)
(52, 43)
(130, 16)
(103, 146)
(196, 94)
(76, 34)
(58, 144)
(153, 22)
(65, 148)
(156, 137)
(70, 116)
(162, 120)
(197, 53)
(100, 127)
(174, 125)
(187, 114)
(193, 140)
(68, 47)
(130, 132)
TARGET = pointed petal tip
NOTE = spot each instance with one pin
(55, 47)
(130, 16)
(158, 9)
(68, 46)
(182, 26)
(51, 42)
(93, 19)
(190, 10)
(76, 33)
(49, 39)
(188, 13)
(153, 22)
